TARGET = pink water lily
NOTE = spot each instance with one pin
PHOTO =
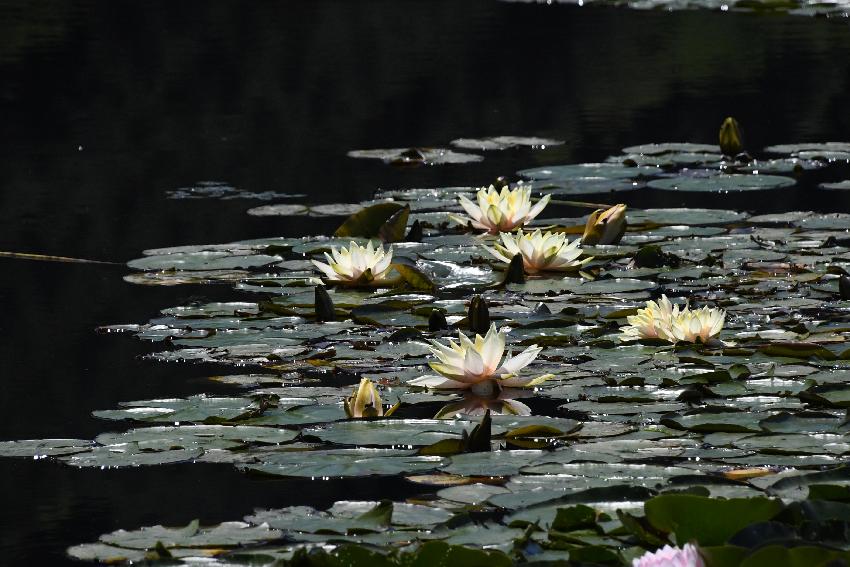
(667, 556)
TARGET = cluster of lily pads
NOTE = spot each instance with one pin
(603, 526)
(823, 8)
(600, 362)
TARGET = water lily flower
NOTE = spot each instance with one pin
(356, 265)
(500, 211)
(703, 324)
(652, 322)
(663, 320)
(549, 251)
(667, 556)
(365, 402)
(477, 365)
(605, 226)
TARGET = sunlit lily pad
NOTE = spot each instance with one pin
(504, 142)
(836, 186)
(721, 183)
(225, 534)
(670, 147)
(38, 448)
(203, 260)
(345, 463)
(414, 156)
(390, 432)
(700, 217)
(598, 171)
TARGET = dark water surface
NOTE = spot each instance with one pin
(105, 106)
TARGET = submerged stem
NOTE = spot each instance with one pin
(48, 258)
(582, 204)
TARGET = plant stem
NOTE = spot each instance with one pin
(582, 204)
(46, 258)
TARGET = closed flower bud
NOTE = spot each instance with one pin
(731, 141)
(605, 226)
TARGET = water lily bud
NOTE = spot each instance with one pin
(364, 402)
(479, 440)
(324, 305)
(516, 272)
(605, 226)
(437, 321)
(478, 315)
(731, 141)
(415, 232)
(844, 287)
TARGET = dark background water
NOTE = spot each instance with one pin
(104, 106)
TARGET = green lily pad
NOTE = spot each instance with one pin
(416, 156)
(39, 448)
(837, 186)
(721, 183)
(390, 432)
(504, 142)
(345, 463)
(587, 170)
(670, 147)
(192, 536)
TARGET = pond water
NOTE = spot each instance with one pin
(106, 108)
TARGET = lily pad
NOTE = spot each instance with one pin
(345, 463)
(721, 183)
(504, 142)
(416, 156)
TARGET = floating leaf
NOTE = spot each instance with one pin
(705, 520)
(721, 183)
(369, 221)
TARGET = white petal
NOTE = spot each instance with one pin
(327, 270)
(438, 382)
(520, 361)
(473, 364)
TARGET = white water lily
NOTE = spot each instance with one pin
(605, 226)
(478, 365)
(500, 211)
(366, 402)
(356, 265)
(541, 251)
(667, 556)
(703, 324)
(663, 320)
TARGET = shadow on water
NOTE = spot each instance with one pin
(107, 106)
